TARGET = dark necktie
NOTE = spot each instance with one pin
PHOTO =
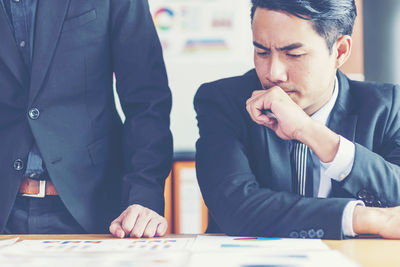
(302, 169)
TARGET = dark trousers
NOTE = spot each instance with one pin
(41, 216)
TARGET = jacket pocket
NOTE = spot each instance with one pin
(80, 20)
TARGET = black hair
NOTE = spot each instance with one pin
(330, 18)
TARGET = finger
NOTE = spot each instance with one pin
(151, 227)
(255, 96)
(130, 219)
(257, 93)
(271, 123)
(162, 228)
(251, 107)
(143, 219)
(116, 228)
(256, 110)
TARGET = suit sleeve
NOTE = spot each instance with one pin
(145, 98)
(375, 176)
(237, 202)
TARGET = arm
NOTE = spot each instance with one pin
(234, 196)
(145, 97)
(374, 177)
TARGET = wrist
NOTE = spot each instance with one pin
(304, 134)
(320, 139)
(366, 220)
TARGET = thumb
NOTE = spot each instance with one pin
(116, 228)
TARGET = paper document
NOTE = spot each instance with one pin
(167, 252)
(222, 243)
(7, 242)
(153, 244)
(326, 258)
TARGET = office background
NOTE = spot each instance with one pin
(206, 40)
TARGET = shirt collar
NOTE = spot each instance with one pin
(323, 114)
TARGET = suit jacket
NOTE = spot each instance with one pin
(89, 153)
(244, 169)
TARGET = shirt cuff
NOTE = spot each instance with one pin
(341, 166)
(347, 219)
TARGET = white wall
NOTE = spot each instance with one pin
(203, 40)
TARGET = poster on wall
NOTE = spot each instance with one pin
(202, 41)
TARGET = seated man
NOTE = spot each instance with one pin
(294, 148)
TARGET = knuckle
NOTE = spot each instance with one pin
(148, 233)
(136, 233)
(125, 226)
(147, 212)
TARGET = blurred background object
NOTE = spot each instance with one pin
(381, 39)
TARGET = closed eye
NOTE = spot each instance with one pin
(295, 55)
(263, 53)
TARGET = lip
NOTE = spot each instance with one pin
(290, 92)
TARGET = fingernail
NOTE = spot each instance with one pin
(120, 234)
(161, 230)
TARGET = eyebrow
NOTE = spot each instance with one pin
(285, 48)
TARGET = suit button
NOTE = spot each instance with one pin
(294, 235)
(369, 200)
(34, 113)
(320, 233)
(311, 233)
(18, 164)
(362, 194)
(377, 203)
(303, 234)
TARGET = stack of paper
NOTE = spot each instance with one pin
(193, 252)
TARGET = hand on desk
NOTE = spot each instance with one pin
(379, 221)
(138, 221)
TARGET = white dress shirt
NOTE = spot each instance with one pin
(338, 169)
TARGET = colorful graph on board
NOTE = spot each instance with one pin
(205, 44)
(163, 19)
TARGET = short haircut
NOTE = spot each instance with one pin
(330, 18)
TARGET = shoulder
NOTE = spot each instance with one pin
(375, 95)
(383, 91)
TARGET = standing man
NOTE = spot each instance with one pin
(65, 154)
(294, 148)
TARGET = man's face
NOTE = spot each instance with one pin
(289, 53)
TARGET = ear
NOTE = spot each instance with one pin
(342, 49)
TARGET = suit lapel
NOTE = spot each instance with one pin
(279, 160)
(49, 20)
(9, 53)
(342, 120)
(273, 154)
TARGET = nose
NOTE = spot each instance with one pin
(276, 70)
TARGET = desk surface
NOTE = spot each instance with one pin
(367, 252)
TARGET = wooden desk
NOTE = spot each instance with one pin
(367, 252)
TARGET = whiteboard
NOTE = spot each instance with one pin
(202, 40)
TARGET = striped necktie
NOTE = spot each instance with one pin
(302, 169)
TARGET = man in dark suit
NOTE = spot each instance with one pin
(65, 153)
(294, 148)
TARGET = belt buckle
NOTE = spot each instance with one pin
(42, 190)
